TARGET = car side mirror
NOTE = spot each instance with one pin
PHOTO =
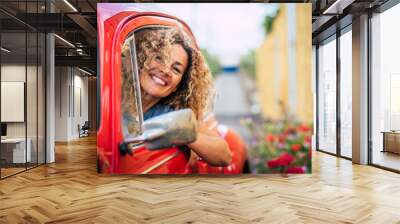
(175, 128)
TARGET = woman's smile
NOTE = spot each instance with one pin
(158, 78)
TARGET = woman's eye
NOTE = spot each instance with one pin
(158, 58)
(177, 70)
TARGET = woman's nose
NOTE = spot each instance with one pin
(167, 69)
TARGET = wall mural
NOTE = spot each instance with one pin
(179, 93)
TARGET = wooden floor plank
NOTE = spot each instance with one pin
(70, 191)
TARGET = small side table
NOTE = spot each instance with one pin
(391, 141)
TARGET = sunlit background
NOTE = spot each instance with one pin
(260, 58)
(225, 30)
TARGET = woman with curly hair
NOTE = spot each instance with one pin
(173, 75)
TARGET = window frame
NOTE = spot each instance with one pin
(326, 39)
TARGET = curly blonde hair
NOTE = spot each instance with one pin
(195, 91)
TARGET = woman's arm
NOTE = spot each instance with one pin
(211, 148)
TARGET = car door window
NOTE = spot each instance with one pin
(131, 108)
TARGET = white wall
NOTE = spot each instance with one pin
(12, 73)
(80, 89)
(62, 82)
(70, 83)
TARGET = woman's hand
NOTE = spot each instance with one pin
(211, 147)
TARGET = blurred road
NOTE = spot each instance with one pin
(231, 103)
(231, 98)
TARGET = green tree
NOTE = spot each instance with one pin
(212, 61)
(269, 22)
(248, 63)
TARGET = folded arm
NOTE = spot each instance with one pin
(212, 148)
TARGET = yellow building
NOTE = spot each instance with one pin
(283, 65)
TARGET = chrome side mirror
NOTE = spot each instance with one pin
(175, 128)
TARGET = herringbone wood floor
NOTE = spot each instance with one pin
(70, 191)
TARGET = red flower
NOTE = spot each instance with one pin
(296, 147)
(273, 163)
(282, 138)
(270, 138)
(304, 128)
(307, 140)
(295, 169)
(285, 159)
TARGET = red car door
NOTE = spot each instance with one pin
(111, 158)
(112, 34)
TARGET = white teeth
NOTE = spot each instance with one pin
(158, 80)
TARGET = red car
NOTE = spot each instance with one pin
(119, 154)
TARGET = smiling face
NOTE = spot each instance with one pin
(172, 71)
(162, 76)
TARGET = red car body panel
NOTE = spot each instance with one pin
(112, 35)
(238, 150)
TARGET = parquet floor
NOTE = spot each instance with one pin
(70, 191)
(9, 171)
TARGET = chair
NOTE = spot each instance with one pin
(84, 130)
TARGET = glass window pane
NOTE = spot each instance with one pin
(386, 89)
(31, 97)
(346, 94)
(327, 97)
(13, 86)
(23, 84)
(129, 103)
